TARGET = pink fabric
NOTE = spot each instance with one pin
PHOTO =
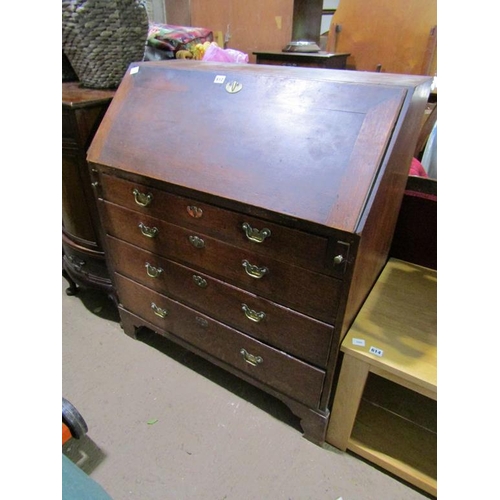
(417, 169)
(215, 53)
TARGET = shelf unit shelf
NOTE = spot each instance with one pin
(407, 450)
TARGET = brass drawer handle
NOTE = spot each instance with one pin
(201, 282)
(77, 263)
(162, 313)
(253, 315)
(194, 212)
(250, 358)
(142, 199)
(153, 272)
(196, 241)
(150, 232)
(254, 271)
(254, 234)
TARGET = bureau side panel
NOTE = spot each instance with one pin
(377, 224)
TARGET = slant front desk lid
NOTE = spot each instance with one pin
(305, 143)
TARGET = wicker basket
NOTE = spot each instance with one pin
(102, 37)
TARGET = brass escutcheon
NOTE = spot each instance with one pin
(233, 87)
(254, 234)
(250, 358)
(142, 199)
(253, 315)
(194, 212)
(254, 271)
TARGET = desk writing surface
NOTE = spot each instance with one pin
(399, 320)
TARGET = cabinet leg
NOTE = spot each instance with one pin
(128, 326)
(73, 288)
(350, 387)
(314, 427)
(313, 423)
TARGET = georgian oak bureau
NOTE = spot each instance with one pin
(248, 210)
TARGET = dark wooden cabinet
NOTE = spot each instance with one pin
(307, 60)
(249, 209)
(83, 256)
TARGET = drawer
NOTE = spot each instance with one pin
(83, 260)
(274, 368)
(311, 293)
(278, 326)
(266, 238)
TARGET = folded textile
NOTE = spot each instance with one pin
(171, 38)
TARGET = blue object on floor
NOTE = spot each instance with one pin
(76, 485)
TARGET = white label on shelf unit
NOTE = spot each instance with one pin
(360, 342)
(134, 70)
(376, 351)
(220, 79)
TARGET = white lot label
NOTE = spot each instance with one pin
(376, 351)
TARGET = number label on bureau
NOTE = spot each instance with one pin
(376, 351)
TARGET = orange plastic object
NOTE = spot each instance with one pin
(66, 433)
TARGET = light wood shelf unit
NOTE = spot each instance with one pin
(399, 321)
